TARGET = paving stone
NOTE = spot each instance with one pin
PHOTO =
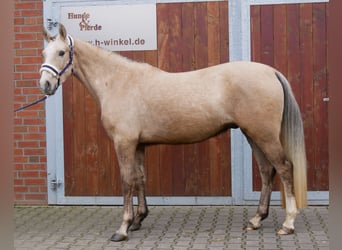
(167, 227)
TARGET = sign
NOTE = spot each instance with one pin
(113, 27)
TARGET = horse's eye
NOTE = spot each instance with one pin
(61, 53)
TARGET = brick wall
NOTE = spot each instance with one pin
(29, 125)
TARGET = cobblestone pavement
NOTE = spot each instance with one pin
(166, 227)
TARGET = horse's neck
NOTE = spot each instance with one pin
(96, 67)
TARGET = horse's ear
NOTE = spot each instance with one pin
(62, 31)
(46, 35)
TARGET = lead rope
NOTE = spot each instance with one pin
(31, 104)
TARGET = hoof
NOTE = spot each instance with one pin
(135, 227)
(118, 237)
(250, 226)
(285, 231)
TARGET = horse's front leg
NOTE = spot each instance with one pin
(142, 211)
(125, 150)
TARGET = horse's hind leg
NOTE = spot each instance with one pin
(267, 173)
(274, 152)
(142, 211)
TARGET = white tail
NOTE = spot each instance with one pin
(292, 138)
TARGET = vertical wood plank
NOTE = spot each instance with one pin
(68, 124)
(320, 91)
(201, 35)
(256, 33)
(307, 82)
(267, 42)
(293, 50)
(188, 37)
(214, 52)
(280, 37)
(224, 32)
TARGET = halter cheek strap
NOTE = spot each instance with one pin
(53, 70)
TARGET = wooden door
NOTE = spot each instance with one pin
(190, 36)
(293, 39)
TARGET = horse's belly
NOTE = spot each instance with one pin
(179, 131)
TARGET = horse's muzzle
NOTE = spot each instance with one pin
(48, 88)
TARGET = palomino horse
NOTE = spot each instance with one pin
(141, 104)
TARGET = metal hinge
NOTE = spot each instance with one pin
(54, 184)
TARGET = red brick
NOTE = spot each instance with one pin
(43, 189)
(36, 181)
(30, 112)
(20, 129)
(28, 144)
(30, 21)
(18, 182)
(18, 167)
(38, 44)
(20, 159)
(32, 60)
(17, 60)
(18, 121)
(25, 36)
(18, 197)
(36, 151)
(33, 189)
(31, 75)
(36, 121)
(18, 152)
(18, 20)
(20, 189)
(26, 52)
(26, 68)
(26, 83)
(33, 129)
(35, 197)
(34, 159)
(25, 5)
(36, 166)
(43, 159)
(28, 174)
(35, 13)
(38, 137)
(17, 76)
(31, 28)
(42, 174)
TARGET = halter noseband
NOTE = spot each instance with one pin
(53, 70)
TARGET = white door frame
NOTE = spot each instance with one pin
(239, 49)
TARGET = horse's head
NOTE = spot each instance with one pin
(58, 56)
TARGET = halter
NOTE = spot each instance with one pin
(53, 70)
